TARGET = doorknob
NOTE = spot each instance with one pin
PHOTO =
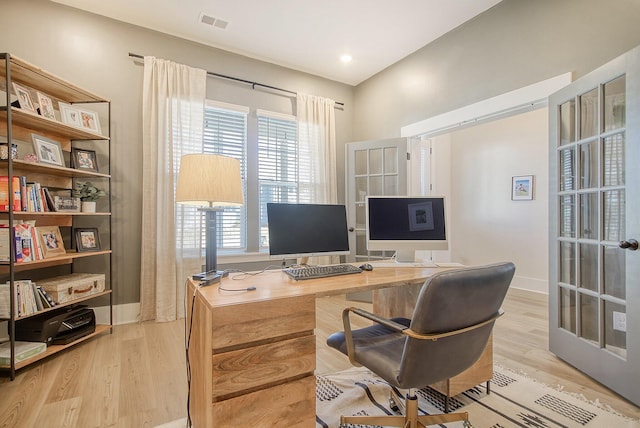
(351, 229)
(631, 244)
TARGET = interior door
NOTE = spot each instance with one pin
(594, 284)
(376, 168)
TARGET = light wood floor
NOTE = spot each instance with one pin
(136, 377)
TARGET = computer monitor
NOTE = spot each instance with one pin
(305, 230)
(405, 224)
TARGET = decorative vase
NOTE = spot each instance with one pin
(88, 206)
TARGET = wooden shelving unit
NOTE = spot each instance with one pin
(16, 126)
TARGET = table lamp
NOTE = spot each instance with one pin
(211, 182)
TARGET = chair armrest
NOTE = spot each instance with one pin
(437, 336)
(348, 335)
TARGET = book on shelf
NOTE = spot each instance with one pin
(7, 200)
(5, 234)
(23, 351)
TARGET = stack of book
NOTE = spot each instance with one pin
(29, 298)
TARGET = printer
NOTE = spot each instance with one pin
(58, 326)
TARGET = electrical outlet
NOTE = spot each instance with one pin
(620, 321)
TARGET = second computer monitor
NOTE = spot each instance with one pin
(405, 224)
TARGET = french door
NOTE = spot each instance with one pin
(594, 284)
(373, 168)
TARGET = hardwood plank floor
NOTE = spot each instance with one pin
(136, 376)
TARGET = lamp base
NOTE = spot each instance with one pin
(209, 278)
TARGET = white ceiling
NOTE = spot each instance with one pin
(306, 35)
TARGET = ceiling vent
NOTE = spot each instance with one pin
(213, 21)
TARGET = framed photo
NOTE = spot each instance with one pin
(46, 106)
(66, 204)
(24, 98)
(48, 151)
(50, 241)
(70, 115)
(80, 118)
(84, 159)
(522, 188)
(87, 240)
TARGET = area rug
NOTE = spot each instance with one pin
(514, 401)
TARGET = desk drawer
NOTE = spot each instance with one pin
(239, 326)
(291, 405)
(245, 370)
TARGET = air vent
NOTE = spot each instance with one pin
(213, 21)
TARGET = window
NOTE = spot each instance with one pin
(225, 133)
(278, 165)
(272, 177)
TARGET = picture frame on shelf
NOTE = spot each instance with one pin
(50, 241)
(47, 150)
(87, 239)
(80, 118)
(46, 106)
(84, 159)
(522, 188)
(24, 97)
(66, 204)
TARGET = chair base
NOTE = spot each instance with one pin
(411, 418)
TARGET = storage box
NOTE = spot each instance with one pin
(23, 350)
(74, 286)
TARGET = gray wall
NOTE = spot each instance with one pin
(92, 52)
(514, 44)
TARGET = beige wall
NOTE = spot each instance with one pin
(487, 226)
(92, 52)
(512, 45)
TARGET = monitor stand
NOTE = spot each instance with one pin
(405, 258)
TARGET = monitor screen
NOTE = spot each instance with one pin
(304, 230)
(405, 224)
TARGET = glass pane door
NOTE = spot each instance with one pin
(373, 168)
(593, 265)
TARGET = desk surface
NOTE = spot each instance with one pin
(275, 284)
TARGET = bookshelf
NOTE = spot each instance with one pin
(18, 125)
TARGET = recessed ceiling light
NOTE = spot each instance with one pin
(346, 58)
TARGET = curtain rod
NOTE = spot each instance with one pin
(237, 79)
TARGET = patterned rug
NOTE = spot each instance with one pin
(514, 401)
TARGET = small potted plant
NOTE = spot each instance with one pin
(88, 195)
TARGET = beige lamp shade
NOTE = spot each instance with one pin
(209, 180)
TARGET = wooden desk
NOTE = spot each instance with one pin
(252, 354)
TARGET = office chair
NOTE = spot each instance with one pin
(450, 327)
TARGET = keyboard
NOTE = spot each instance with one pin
(311, 272)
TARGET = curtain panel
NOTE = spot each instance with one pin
(173, 120)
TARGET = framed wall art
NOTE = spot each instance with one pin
(522, 188)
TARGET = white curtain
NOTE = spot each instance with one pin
(173, 120)
(317, 147)
(317, 154)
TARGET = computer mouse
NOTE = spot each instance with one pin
(366, 267)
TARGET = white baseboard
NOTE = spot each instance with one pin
(530, 284)
(122, 314)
